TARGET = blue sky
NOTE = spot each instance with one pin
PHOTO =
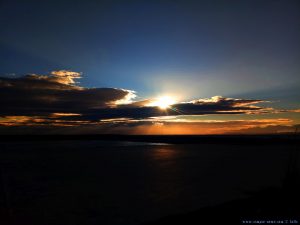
(191, 49)
(212, 47)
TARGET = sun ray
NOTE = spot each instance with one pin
(163, 102)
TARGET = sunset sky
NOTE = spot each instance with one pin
(149, 67)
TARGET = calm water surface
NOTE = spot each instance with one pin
(111, 183)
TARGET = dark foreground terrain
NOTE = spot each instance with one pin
(149, 180)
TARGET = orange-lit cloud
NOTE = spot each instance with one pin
(125, 126)
(64, 76)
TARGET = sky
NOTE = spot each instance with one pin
(149, 67)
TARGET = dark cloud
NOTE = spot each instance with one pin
(226, 102)
(214, 105)
(42, 95)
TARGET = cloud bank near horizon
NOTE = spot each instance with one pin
(57, 100)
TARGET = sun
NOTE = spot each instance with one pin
(163, 102)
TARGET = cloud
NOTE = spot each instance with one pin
(64, 76)
(226, 101)
(33, 94)
(57, 100)
(214, 105)
(125, 126)
(213, 127)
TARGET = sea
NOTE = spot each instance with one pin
(129, 183)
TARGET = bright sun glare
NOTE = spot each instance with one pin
(163, 102)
